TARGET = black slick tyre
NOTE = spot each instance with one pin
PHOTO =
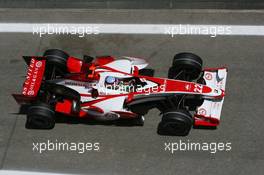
(40, 116)
(56, 60)
(176, 123)
(186, 66)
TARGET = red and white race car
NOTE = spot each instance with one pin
(105, 88)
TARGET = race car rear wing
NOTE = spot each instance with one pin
(209, 113)
(35, 72)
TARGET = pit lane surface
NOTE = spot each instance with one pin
(138, 150)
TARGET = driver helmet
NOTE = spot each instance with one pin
(110, 80)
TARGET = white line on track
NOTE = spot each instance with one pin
(193, 29)
(15, 172)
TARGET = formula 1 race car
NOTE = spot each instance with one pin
(105, 88)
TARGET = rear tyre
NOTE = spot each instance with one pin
(56, 62)
(185, 66)
(56, 57)
(176, 123)
(40, 116)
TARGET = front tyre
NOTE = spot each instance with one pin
(185, 66)
(175, 123)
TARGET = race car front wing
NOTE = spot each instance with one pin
(208, 114)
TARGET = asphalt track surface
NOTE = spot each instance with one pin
(139, 150)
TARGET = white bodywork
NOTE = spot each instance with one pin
(211, 108)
